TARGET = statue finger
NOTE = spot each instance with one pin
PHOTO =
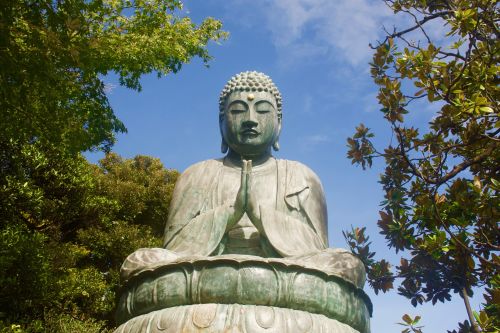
(249, 180)
(243, 176)
(243, 167)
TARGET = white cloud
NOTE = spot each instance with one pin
(369, 102)
(335, 30)
(311, 142)
(109, 87)
(341, 29)
(317, 139)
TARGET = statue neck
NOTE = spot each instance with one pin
(236, 158)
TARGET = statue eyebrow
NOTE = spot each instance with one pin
(238, 102)
(264, 101)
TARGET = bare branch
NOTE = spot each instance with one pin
(454, 55)
(418, 25)
(455, 171)
(417, 22)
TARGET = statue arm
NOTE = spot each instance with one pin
(288, 235)
(299, 227)
(194, 226)
(198, 235)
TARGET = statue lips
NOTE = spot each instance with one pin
(250, 132)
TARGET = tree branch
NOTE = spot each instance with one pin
(458, 241)
(475, 328)
(418, 25)
(456, 170)
(464, 165)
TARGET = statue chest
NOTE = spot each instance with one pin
(244, 238)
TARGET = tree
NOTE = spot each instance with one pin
(53, 55)
(63, 229)
(141, 187)
(46, 198)
(441, 183)
(138, 191)
(55, 278)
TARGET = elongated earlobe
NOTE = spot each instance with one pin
(276, 145)
(223, 146)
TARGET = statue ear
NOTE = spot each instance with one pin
(276, 145)
(223, 146)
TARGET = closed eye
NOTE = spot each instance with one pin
(237, 110)
(237, 107)
(264, 107)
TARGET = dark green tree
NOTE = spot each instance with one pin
(441, 182)
(64, 277)
(64, 229)
(53, 55)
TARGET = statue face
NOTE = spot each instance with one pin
(250, 123)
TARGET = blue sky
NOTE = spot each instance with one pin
(316, 51)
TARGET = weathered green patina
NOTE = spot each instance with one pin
(246, 280)
(245, 233)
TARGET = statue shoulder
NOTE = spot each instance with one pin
(200, 171)
(204, 166)
(298, 169)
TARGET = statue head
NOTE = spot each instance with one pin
(250, 114)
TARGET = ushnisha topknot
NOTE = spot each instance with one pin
(250, 81)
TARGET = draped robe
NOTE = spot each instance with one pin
(292, 212)
(294, 224)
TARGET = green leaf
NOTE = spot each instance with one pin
(407, 319)
(439, 186)
(486, 109)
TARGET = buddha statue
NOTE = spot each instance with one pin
(247, 208)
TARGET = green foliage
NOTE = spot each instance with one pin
(110, 243)
(45, 188)
(56, 322)
(141, 187)
(25, 273)
(63, 254)
(63, 323)
(441, 183)
(54, 54)
(463, 327)
(411, 324)
(487, 318)
(66, 225)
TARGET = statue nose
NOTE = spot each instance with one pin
(251, 119)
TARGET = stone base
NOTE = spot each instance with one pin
(245, 280)
(232, 318)
(247, 293)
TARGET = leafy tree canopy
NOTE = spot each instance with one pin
(441, 183)
(53, 55)
(67, 225)
(59, 269)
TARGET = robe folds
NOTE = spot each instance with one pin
(292, 212)
(295, 224)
